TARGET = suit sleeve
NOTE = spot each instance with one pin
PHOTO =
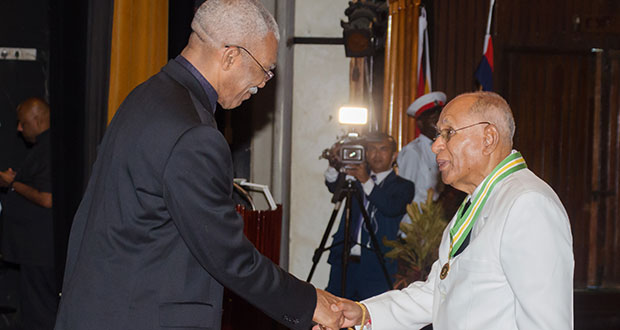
(536, 255)
(392, 199)
(197, 191)
(409, 308)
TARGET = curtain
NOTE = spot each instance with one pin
(400, 70)
(139, 46)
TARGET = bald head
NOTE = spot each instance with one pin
(33, 118)
(491, 107)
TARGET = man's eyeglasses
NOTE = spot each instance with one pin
(268, 73)
(447, 133)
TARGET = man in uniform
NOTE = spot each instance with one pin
(506, 258)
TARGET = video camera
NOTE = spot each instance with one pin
(346, 151)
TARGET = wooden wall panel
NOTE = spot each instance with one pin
(551, 100)
(611, 275)
(457, 30)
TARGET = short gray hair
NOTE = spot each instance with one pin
(233, 22)
(494, 108)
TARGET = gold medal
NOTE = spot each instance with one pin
(444, 270)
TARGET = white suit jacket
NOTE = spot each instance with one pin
(516, 273)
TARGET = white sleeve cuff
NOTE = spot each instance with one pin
(331, 174)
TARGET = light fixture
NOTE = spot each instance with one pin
(350, 115)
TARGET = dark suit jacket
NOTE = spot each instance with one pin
(390, 198)
(156, 235)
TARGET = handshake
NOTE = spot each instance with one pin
(332, 313)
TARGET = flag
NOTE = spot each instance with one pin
(424, 63)
(484, 72)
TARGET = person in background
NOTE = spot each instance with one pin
(27, 232)
(386, 195)
(416, 160)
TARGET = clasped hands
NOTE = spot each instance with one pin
(7, 177)
(333, 313)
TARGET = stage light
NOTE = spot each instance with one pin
(364, 33)
(353, 115)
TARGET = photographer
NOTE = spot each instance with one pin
(386, 196)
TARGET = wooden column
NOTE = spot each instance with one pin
(400, 69)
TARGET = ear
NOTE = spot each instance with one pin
(490, 139)
(229, 56)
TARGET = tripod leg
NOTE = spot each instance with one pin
(375, 242)
(346, 250)
(319, 251)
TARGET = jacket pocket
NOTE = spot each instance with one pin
(186, 315)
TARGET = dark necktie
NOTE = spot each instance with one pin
(466, 241)
(360, 220)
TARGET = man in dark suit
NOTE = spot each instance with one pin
(386, 196)
(156, 236)
(27, 227)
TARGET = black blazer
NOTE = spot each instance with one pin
(390, 199)
(156, 235)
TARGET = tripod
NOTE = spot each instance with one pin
(346, 189)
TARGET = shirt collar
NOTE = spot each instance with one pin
(204, 83)
(381, 175)
(480, 185)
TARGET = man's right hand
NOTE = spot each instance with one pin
(351, 315)
(326, 313)
(351, 312)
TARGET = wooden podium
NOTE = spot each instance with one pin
(263, 229)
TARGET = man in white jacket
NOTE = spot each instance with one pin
(505, 260)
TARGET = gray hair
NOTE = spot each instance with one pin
(494, 108)
(233, 22)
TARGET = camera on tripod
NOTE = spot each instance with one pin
(349, 149)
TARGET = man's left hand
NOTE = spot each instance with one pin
(7, 177)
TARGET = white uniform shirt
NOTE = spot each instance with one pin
(416, 162)
(516, 273)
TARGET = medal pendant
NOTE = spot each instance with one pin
(444, 271)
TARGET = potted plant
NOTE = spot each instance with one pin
(417, 249)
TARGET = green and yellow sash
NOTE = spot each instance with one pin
(465, 222)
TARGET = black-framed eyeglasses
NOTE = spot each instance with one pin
(268, 73)
(447, 133)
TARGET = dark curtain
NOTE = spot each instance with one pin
(79, 74)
